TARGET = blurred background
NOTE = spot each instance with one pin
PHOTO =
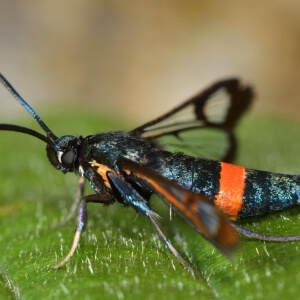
(140, 58)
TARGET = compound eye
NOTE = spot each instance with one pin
(68, 158)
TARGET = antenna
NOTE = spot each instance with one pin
(16, 128)
(16, 95)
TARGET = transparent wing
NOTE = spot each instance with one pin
(214, 111)
(204, 142)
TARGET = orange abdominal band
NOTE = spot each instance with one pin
(232, 185)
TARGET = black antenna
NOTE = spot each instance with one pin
(16, 95)
(16, 128)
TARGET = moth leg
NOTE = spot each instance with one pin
(82, 221)
(172, 249)
(77, 198)
(269, 238)
(171, 212)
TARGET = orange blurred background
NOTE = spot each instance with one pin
(140, 58)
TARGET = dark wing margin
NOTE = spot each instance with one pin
(219, 107)
(197, 210)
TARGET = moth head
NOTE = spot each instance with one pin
(63, 154)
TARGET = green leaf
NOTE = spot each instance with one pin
(120, 258)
